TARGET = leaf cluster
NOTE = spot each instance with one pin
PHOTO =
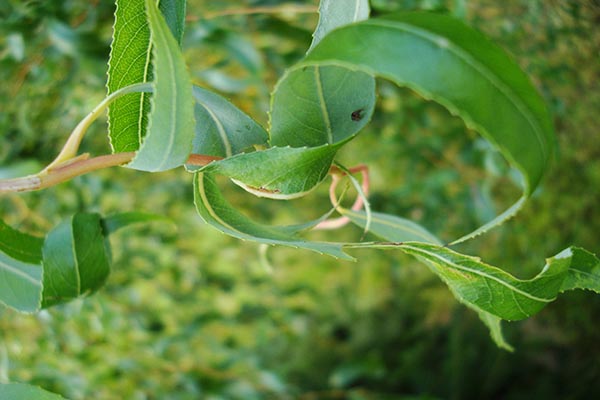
(159, 121)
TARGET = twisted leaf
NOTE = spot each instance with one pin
(497, 295)
(446, 61)
(216, 211)
(72, 261)
(75, 259)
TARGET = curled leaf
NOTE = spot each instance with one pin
(216, 211)
(444, 60)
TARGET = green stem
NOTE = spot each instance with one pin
(67, 164)
(69, 150)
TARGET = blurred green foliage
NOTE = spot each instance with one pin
(189, 313)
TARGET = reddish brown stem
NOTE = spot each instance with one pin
(336, 174)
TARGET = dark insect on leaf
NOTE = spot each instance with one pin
(357, 115)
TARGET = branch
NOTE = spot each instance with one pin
(81, 165)
(281, 9)
(67, 165)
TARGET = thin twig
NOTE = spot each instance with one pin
(282, 9)
(336, 174)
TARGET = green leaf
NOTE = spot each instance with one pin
(20, 284)
(314, 111)
(323, 105)
(221, 128)
(278, 172)
(174, 13)
(131, 62)
(168, 142)
(76, 261)
(312, 106)
(584, 272)
(72, 261)
(22, 391)
(495, 294)
(444, 60)
(19, 245)
(77, 254)
(217, 212)
(490, 289)
(336, 13)
(20, 269)
(390, 227)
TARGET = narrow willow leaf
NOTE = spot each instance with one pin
(278, 172)
(490, 289)
(130, 62)
(77, 254)
(336, 13)
(391, 228)
(22, 391)
(76, 262)
(168, 142)
(216, 211)
(444, 60)
(72, 261)
(221, 128)
(20, 269)
(496, 295)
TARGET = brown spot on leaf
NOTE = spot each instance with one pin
(357, 115)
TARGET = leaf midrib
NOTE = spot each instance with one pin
(374, 218)
(160, 34)
(220, 129)
(22, 274)
(356, 10)
(323, 105)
